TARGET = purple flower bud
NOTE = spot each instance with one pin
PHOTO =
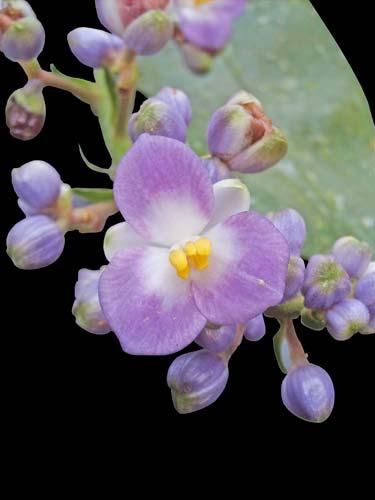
(26, 111)
(197, 60)
(217, 339)
(196, 380)
(365, 287)
(326, 282)
(23, 40)
(307, 391)
(94, 47)
(292, 226)
(148, 34)
(347, 318)
(37, 183)
(295, 277)
(86, 307)
(217, 169)
(353, 255)
(177, 100)
(116, 15)
(255, 329)
(35, 242)
(157, 118)
(243, 97)
(370, 327)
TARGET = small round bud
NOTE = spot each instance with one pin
(94, 47)
(326, 282)
(347, 318)
(177, 100)
(307, 391)
(149, 33)
(37, 184)
(353, 255)
(26, 111)
(217, 339)
(35, 242)
(365, 287)
(294, 278)
(23, 40)
(197, 60)
(255, 329)
(157, 118)
(292, 226)
(217, 169)
(86, 307)
(196, 380)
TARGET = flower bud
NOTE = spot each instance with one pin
(216, 339)
(16, 9)
(353, 255)
(26, 111)
(177, 100)
(326, 282)
(116, 15)
(148, 34)
(370, 327)
(37, 184)
(294, 278)
(86, 307)
(196, 380)
(292, 226)
(35, 242)
(217, 169)
(23, 40)
(255, 328)
(365, 287)
(347, 318)
(94, 47)
(307, 391)
(197, 60)
(157, 118)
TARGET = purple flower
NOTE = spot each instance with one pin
(94, 47)
(365, 287)
(326, 282)
(35, 242)
(347, 318)
(196, 380)
(23, 40)
(37, 184)
(86, 307)
(307, 391)
(217, 339)
(353, 255)
(189, 251)
(255, 329)
(207, 24)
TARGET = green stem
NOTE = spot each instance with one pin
(126, 88)
(240, 330)
(297, 354)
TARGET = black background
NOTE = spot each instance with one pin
(56, 370)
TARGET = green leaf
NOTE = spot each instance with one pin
(94, 195)
(283, 53)
(83, 84)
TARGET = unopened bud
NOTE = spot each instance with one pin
(347, 318)
(217, 339)
(353, 255)
(255, 329)
(23, 39)
(149, 33)
(177, 100)
(197, 60)
(292, 226)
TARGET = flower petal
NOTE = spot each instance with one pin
(246, 272)
(163, 190)
(149, 308)
(231, 197)
(120, 237)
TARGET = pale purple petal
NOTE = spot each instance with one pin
(121, 237)
(217, 339)
(292, 226)
(365, 289)
(255, 329)
(177, 100)
(347, 318)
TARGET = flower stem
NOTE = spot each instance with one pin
(297, 354)
(240, 330)
(126, 87)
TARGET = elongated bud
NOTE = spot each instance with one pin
(217, 169)
(292, 226)
(197, 60)
(217, 339)
(35, 242)
(295, 277)
(307, 391)
(365, 287)
(196, 380)
(23, 40)
(347, 318)
(94, 47)
(255, 329)
(37, 184)
(148, 34)
(326, 282)
(116, 15)
(26, 111)
(157, 118)
(353, 255)
(177, 100)
(86, 307)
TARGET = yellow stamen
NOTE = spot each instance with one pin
(203, 246)
(178, 260)
(194, 255)
(201, 2)
(201, 261)
(190, 249)
(184, 274)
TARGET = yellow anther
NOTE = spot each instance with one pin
(201, 2)
(190, 249)
(203, 246)
(178, 260)
(201, 262)
(184, 274)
